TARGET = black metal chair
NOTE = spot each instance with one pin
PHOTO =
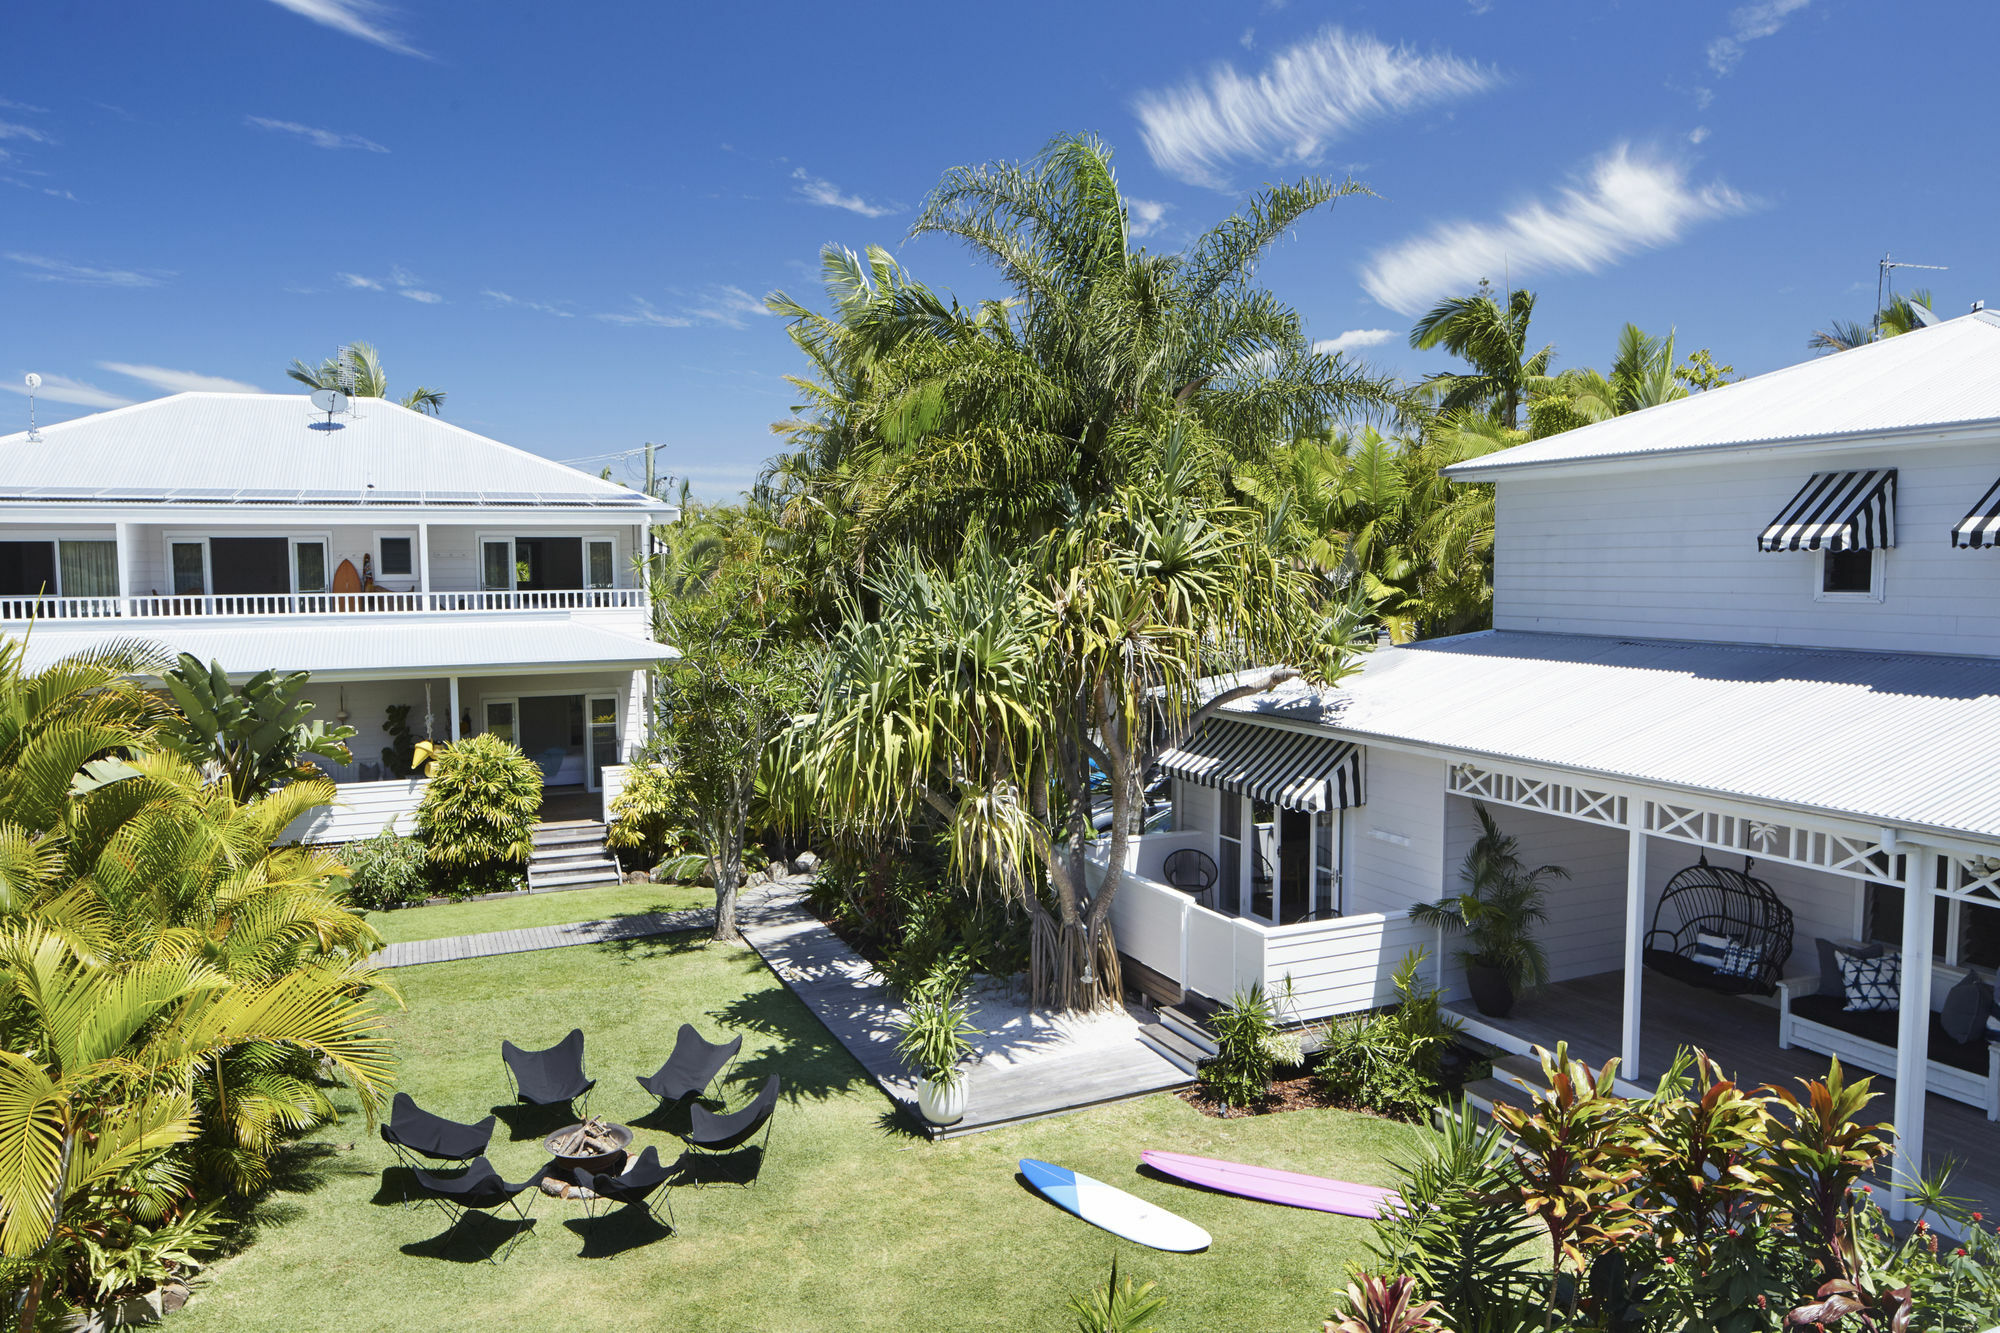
(715, 1134)
(420, 1138)
(553, 1077)
(481, 1189)
(1191, 871)
(1717, 901)
(693, 1066)
(635, 1185)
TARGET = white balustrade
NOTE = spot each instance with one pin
(158, 607)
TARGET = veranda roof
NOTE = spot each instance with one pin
(1906, 739)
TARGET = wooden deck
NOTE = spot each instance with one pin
(413, 953)
(1025, 1079)
(1741, 1034)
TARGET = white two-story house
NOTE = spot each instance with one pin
(434, 582)
(1743, 681)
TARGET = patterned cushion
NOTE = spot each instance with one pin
(1829, 964)
(1740, 960)
(1872, 984)
(1712, 950)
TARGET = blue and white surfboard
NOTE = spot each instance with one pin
(1113, 1209)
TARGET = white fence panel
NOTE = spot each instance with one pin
(360, 810)
(613, 782)
(1146, 920)
(1345, 965)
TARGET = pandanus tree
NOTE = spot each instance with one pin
(356, 370)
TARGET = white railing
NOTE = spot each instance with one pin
(1337, 966)
(156, 607)
(360, 810)
(612, 782)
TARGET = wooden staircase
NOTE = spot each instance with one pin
(570, 854)
(1180, 1034)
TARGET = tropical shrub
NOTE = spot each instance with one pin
(1385, 1305)
(648, 815)
(477, 816)
(254, 736)
(1503, 902)
(1118, 1307)
(896, 907)
(1240, 1072)
(399, 755)
(387, 870)
(1388, 1061)
(934, 1035)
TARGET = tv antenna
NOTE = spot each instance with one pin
(1884, 279)
(329, 401)
(33, 382)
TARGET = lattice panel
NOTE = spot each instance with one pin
(1818, 849)
(1546, 794)
(1974, 879)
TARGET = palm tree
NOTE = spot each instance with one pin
(356, 370)
(1896, 318)
(1494, 341)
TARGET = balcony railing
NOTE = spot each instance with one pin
(153, 607)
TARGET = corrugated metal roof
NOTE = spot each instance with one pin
(486, 645)
(1908, 739)
(1944, 375)
(256, 448)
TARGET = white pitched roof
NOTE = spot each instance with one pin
(1941, 377)
(365, 646)
(275, 448)
(1900, 738)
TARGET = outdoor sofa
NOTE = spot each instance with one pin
(1966, 1072)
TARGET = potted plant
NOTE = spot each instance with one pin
(1503, 902)
(936, 1037)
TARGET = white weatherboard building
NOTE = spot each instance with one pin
(1749, 641)
(400, 559)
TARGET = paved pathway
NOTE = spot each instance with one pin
(529, 938)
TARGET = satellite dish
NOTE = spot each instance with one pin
(329, 401)
(1924, 315)
(34, 381)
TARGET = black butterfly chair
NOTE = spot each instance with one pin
(480, 1189)
(549, 1078)
(718, 1134)
(636, 1184)
(420, 1138)
(692, 1067)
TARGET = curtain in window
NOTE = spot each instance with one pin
(187, 569)
(89, 569)
(497, 557)
(600, 564)
(312, 566)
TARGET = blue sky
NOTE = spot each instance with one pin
(567, 216)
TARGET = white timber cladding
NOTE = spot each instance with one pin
(363, 810)
(614, 782)
(1670, 551)
(1396, 841)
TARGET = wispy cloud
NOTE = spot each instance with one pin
(1309, 95)
(730, 307)
(400, 281)
(43, 268)
(28, 107)
(318, 138)
(11, 130)
(63, 389)
(1144, 215)
(1353, 339)
(1628, 202)
(1699, 134)
(1748, 24)
(364, 19)
(502, 298)
(176, 381)
(818, 190)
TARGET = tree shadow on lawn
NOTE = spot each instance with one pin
(644, 948)
(298, 1169)
(801, 1052)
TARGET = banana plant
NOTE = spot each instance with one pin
(254, 737)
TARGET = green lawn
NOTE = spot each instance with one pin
(854, 1223)
(535, 909)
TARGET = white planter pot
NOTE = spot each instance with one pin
(942, 1106)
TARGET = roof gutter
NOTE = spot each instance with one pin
(1481, 469)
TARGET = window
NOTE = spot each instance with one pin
(190, 561)
(396, 558)
(1852, 576)
(601, 565)
(89, 569)
(310, 559)
(1326, 864)
(27, 569)
(1229, 855)
(497, 564)
(500, 719)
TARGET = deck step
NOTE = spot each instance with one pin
(1189, 1028)
(1172, 1047)
(562, 837)
(1514, 1080)
(574, 879)
(569, 859)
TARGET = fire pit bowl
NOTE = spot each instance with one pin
(604, 1154)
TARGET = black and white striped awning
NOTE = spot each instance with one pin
(1840, 511)
(1981, 527)
(1289, 768)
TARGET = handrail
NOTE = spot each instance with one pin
(154, 606)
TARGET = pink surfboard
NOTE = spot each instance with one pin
(1273, 1186)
